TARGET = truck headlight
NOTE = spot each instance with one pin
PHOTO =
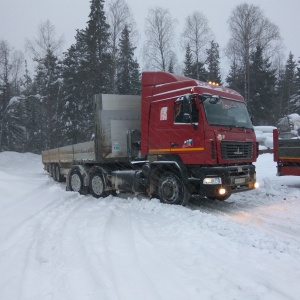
(212, 180)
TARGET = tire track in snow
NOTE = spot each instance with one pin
(45, 256)
(184, 233)
(128, 275)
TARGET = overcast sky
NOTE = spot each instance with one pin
(19, 19)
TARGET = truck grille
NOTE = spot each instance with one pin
(234, 150)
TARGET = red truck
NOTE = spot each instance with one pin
(181, 138)
(286, 154)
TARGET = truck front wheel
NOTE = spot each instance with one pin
(96, 184)
(172, 190)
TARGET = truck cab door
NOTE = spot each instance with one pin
(187, 133)
(160, 127)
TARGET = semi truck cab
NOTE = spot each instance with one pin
(205, 129)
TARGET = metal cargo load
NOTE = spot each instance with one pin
(117, 130)
(115, 117)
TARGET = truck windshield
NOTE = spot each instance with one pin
(226, 112)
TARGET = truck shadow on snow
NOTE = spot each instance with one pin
(211, 206)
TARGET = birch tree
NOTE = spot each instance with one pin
(46, 41)
(45, 48)
(119, 16)
(159, 45)
(249, 29)
(197, 35)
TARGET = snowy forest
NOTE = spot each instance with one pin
(51, 106)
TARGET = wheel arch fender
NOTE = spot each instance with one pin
(159, 167)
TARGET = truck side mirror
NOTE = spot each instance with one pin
(214, 99)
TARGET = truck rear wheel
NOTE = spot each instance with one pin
(97, 185)
(76, 181)
(172, 190)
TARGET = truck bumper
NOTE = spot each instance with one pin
(233, 179)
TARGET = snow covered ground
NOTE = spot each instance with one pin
(61, 245)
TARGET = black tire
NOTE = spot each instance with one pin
(172, 190)
(76, 182)
(57, 175)
(51, 170)
(97, 184)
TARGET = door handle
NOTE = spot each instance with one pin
(173, 145)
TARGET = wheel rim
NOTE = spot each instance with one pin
(169, 190)
(97, 185)
(75, 183)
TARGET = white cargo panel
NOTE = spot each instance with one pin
(114, 116)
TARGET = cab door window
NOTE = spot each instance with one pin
(186, 110)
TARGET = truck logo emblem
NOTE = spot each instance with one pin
(238, 152)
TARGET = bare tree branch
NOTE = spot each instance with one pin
(45, 41)
(197, 34)
(249, 29)
(159, 31)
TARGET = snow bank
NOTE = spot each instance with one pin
(61, 245)
(264, 136)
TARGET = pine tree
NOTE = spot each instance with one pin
(262, 102)
(136, 79)
(295, 98)
(192, 68)
(235, 79)
(26, 82)
(127, 68)
(47, 84)
(188, 63)
(87, 67)
(213, 63)
(171, 65)
(14, 130)
(199, 71)
(98, 57)
(77, 110)
(85, 72)
(287, 86)
(34, 124)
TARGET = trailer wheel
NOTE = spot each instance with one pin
(172, 190)
(58, 176)
(97, 185)
(76, 182)
(51, 170)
